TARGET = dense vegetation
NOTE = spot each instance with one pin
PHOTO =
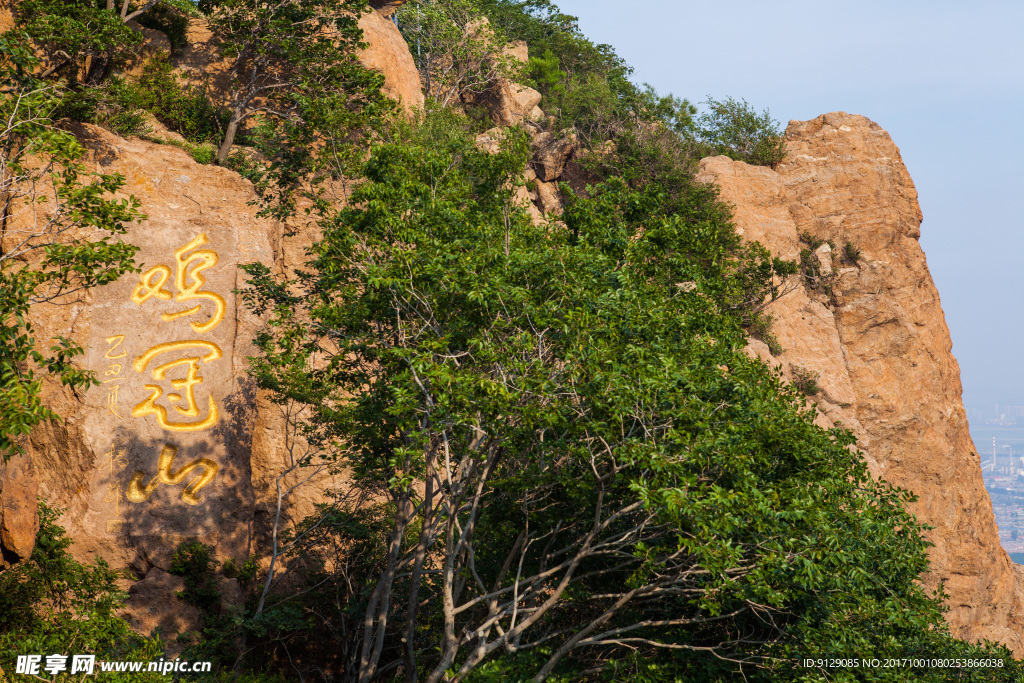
(52, 603)
(563, 467)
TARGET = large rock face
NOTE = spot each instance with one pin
(161, 451)
(881, 346)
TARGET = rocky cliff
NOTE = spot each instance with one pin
(874, 333)
(176, 444)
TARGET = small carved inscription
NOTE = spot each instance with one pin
(113, 374)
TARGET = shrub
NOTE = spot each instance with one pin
(806, 380)
(457, 54)
(589, 105)
(204, 154)
(761, 328)
(77, 39)
(733, 128)
(546, 76)
(851, 252)
(555, 38)
(810, 240)
(183, 109)
(54, 603)
(172, 20)
(194, 561)
(126, 123)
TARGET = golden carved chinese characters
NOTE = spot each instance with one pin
(192, 377)
(139, 492)
(151, 283)
(177, 364)
(113, 374)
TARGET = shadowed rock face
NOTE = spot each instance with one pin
(881, 345)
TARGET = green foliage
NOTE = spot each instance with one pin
(245, 572)
(806, 380)
(733, 128)
(300, 57)
(761, 328)
(587, 86)
(500, 386)
(813, 276)
(172, 20)
(204, 154)
(590, 106)
(811, 241)
(458, 56)
(546, 76)
(555, 38)
(194, 561)
(183, 109)
(80, 40)
(53, 603)
(851, 253)
(217, 637)
(64, 228)
(73, 33)
(126, 123)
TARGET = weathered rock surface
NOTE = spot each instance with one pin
(162, 451)
(551, 152)
(549, 197)
(388, 53)
(510, 103)
(160, 608)
(19, 522)
(881, 346)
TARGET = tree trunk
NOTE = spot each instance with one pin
(229, 136)
(97, 70)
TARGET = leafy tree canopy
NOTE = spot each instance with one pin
(577, 467)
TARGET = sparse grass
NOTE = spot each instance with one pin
(806, 380)
(761, 328)
(851, 253)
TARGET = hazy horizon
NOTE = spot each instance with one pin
(943, 78)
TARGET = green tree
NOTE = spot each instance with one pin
(458, 53)
(60, 230)
(554, 35)
(294, 61)
(732, 127)
(571, 466)
(81, 39)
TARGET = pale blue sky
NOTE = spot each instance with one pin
(946, 79)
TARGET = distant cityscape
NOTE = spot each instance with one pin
(1002, 414)
(998, 433)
